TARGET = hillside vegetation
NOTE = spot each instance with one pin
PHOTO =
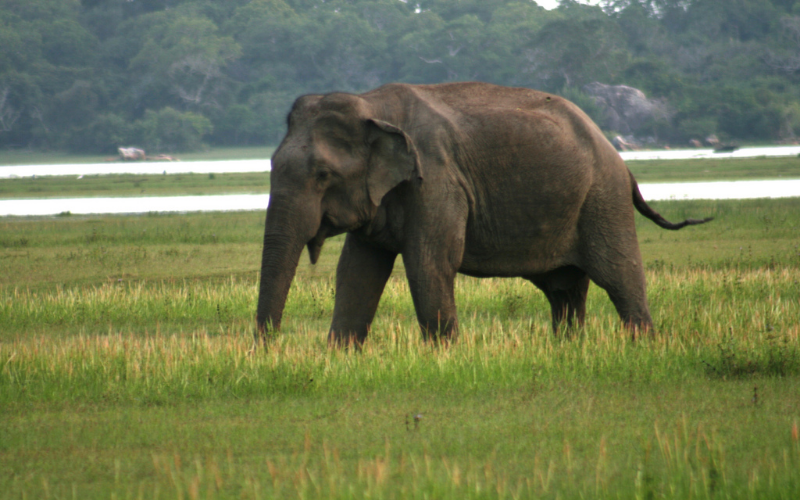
(171, 75)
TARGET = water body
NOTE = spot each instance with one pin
(237, 166)
(215, 203)
(722, 190)
(135, 205)
(137, 168)
(688, 154)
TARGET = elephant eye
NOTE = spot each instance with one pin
(323, 175)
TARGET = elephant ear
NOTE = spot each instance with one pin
(392, 159)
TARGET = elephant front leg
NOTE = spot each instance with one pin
(433, 251)
(360, 279)
(432, 285)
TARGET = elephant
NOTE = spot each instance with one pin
(471, 178)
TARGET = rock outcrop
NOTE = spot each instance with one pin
(626, 109)
(131, 154)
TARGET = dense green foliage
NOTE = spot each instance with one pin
(89, 75)
(125, 373)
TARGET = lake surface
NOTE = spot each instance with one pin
(135, 205)
(709, 154)
(137, 168)
(234, 166)
(214, 203)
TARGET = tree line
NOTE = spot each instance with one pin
(170, 75)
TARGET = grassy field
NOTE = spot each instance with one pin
(133, 185)
(715, 170)
(163, 185)
(25, 157)
(124, 372)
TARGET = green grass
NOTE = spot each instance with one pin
(25, 157)
(161, 185)
(134, 185)
(715, 170)
(124, 372)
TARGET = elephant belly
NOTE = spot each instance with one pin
(522, 233)
(519, 256)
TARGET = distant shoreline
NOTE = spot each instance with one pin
(678, 191)
(264, 165)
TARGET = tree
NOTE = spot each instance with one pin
(74, 107)
(741, 20)
(20, 109)
(22, 45)
(645, 34)
(267, 31)
(511, 32)
(67, 43)
(45, 10)
(572, 52)
(445, 50)
(238, 126)
(184, 56)
(785, 57)
(241, 63)
(345, 54)
(103, 135)
(169, 130)
(453, 9)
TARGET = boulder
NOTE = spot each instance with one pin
(626, 110)
(131, 154)
(624, 143)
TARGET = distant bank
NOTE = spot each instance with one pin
(239, 166)
(225, 203)
(710, 154)
(137, 168)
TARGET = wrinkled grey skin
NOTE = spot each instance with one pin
(457, 178)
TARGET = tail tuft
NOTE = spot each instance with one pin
(644, 209)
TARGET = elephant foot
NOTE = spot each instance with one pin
(338, 340)
(443, 335)
(640, 329)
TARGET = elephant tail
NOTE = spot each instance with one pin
(644, 209)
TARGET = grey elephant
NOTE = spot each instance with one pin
(465, 178)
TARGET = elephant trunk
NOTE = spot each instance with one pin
(284, 239)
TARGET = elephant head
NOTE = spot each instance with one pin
(329, 175)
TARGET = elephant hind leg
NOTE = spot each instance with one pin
(566, 289)
(625, 284)
(634, 311)
(609, 253)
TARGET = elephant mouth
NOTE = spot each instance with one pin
(315, 244)
(327, 228)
